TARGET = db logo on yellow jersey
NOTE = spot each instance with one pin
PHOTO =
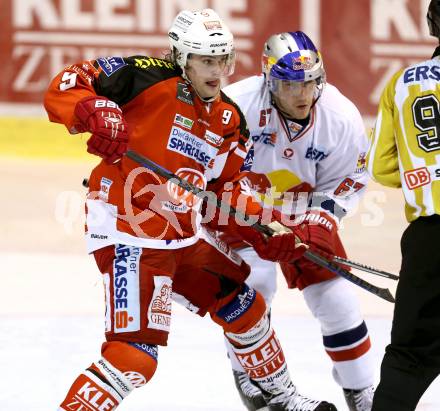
(417, 177)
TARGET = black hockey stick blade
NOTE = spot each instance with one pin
(323, 262)
(315, 258)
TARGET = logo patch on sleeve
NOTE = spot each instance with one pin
(111, 65)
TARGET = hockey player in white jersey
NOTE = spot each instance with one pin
(309, 162)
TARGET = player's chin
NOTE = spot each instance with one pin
(212, 87)
(302, 111)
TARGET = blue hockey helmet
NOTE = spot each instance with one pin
(292, 56)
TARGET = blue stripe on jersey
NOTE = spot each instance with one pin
(302, 41)
(346, 338)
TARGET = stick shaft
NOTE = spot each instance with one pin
(365, 268)
(315, 258)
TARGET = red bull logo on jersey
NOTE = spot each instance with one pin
(126, 289)
(417, 178)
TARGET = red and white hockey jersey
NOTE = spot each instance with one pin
(205, 143)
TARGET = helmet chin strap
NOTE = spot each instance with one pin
(204, 99)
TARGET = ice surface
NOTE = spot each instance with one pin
(51, 327)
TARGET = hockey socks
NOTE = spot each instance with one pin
(122, 368)
(265, 364)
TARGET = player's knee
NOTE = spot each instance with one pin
(127, 366)
(334, 304)
(244, 318)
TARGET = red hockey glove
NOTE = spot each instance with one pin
(284, 245)
(103, 118)
(319, 231)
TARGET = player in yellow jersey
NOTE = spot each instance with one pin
(405, 152)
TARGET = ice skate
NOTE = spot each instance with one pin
(292, 400)
(250, 394)
(359, 400)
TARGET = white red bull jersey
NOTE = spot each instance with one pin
(405, 149)
(327, 156)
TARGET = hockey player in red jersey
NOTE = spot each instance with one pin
(309, 162)
(144, 231)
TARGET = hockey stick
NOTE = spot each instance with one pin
(315, 258)
(336, 259)
(365, 268)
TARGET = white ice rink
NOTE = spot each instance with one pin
(51, 328)
(51, 304)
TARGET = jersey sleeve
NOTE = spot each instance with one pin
(342, 177)
(382, 158)
(119, 79)
(71, 85)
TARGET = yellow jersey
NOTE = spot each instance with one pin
(405, 142)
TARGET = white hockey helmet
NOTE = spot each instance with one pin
(200, 32)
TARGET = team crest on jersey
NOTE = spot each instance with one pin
(183, 94)
(159, 310)
(361, 163)
(191, 146)
(184, 200)
(110, 65)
